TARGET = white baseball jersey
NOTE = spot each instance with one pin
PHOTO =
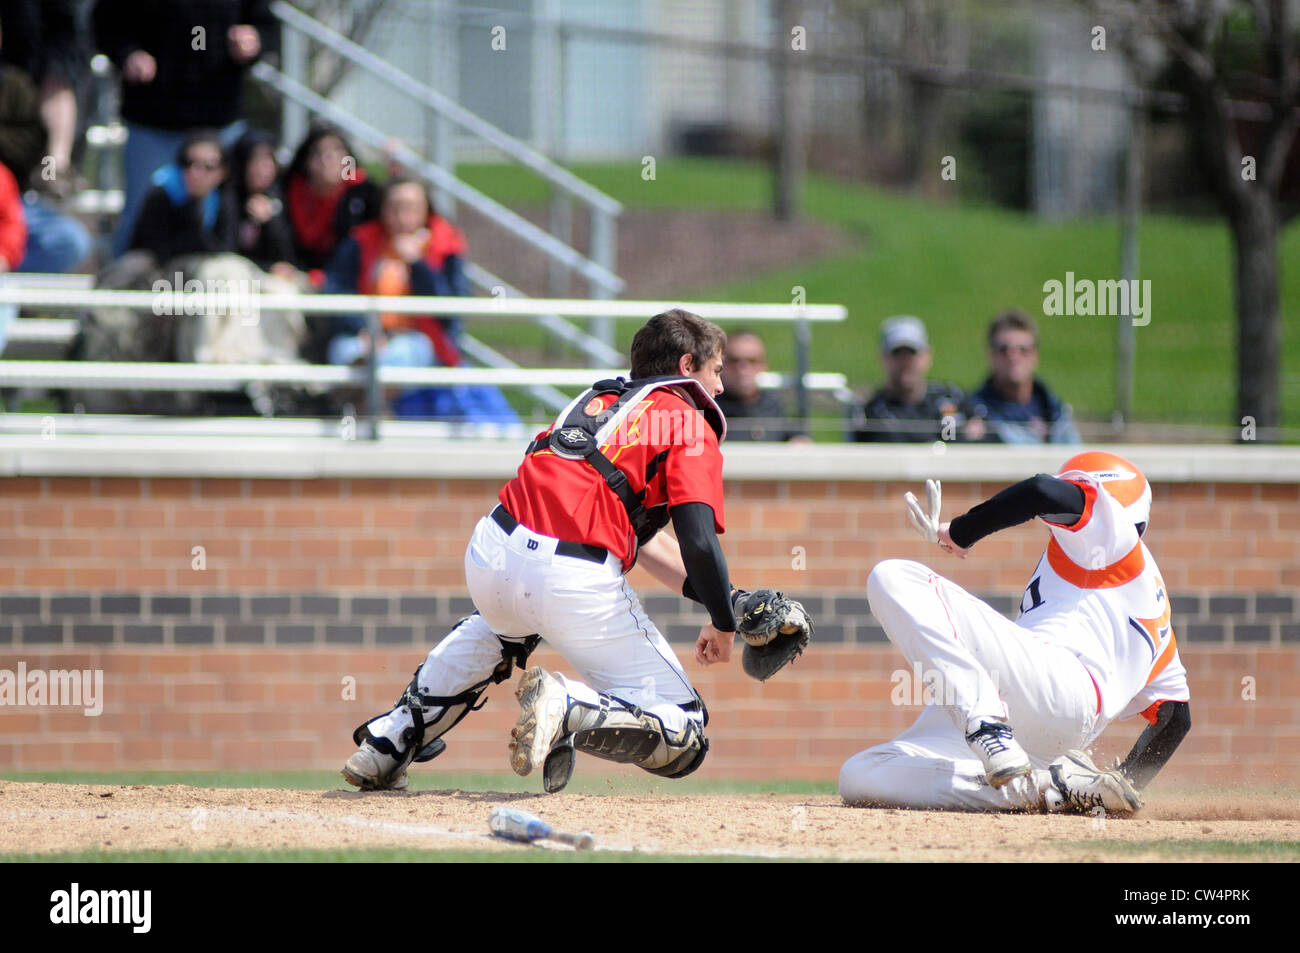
(1098, 592)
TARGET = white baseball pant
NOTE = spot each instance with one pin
(982, 665)
(585, 610)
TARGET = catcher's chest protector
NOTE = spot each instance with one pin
(585, 426)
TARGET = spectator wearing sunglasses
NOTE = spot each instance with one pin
(752, 413)
(187, 212)
(1013, 405)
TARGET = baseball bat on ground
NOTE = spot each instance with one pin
(514, 824)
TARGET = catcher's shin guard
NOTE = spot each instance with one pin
(619, 731)
(432, 716)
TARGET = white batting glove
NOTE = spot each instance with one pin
(926, 523)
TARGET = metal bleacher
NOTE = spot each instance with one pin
(53, 375)
(49, 327)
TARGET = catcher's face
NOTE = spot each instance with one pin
(709, 374)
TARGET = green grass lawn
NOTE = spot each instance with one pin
(1217, 850)
(1251, 850)
(956, 265)
(375, 855)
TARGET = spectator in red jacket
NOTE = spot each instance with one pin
(411, 250)
(327, 195)
(408, 250)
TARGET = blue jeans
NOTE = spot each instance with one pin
(7, 313)
(404, 349)
(55, 242)
(147, 149)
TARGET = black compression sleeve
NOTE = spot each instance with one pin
(706, 567)
(1056, 500)
(1156, 744)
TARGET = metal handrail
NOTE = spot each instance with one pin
(96, 425)
(148, 375)
(195, 303)
(519, 151)
(544, 394)
(594, 348)
(524, 229)
(41, 331)
(243, 301)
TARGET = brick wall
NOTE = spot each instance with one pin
(235, 657)
(264, 708)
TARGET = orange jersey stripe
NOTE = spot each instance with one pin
(1161, 662)
(1156, 628)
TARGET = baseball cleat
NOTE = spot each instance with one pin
(557, 769)
(1002, 755)
(543, 702)
(1084, 787)
(370, 769)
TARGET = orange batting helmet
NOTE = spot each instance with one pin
(1118, 477)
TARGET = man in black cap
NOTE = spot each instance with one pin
(908, 408)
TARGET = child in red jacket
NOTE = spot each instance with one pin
(408, 250)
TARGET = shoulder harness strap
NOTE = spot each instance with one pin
(583, 427)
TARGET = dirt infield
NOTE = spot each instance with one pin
(53, 818)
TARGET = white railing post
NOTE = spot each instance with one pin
(603, 253)
(444, 73)
(374, 392)
(561, 228)
(802, 347)
(293, 115)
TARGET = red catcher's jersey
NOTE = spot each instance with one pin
(568, 499)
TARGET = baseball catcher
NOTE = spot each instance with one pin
(1022, 701)
(621, 462)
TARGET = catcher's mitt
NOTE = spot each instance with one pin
(776, 630)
